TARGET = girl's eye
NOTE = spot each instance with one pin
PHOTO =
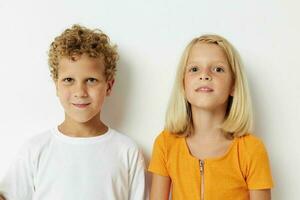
(91, 80)
(193, 69)
(218, 69)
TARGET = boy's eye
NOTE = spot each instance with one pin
(218, 69)
(68, 80)
(92, 80)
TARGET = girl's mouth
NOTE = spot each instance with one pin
(204, 89)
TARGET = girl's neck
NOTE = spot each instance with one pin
(207, 123)
(93, 127)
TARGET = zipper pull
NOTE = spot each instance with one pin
(202, 179)
(201, 166)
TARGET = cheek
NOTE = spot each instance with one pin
(227, 86)
(98, 93)
(187, 82)
(188, 89)
(223, 80)
(64, 94)
(230, 83)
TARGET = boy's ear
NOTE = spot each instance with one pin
(110, 84)
(56, 88)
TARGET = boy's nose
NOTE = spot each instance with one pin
(80, 91)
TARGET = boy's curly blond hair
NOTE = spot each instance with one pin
(79, 40)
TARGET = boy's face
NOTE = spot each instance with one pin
(81, 87)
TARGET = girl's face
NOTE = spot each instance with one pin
(208, 79)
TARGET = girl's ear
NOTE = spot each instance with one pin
(232, 92)
(110, 84)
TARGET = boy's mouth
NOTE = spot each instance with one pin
(80, 105)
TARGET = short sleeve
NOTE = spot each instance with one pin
(138, 187)
(158, 162)
(258, 171)
(18, 181)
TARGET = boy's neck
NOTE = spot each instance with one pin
(94, 127)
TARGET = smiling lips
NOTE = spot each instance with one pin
(81, 105)
(204, 89)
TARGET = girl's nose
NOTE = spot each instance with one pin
(205, 77)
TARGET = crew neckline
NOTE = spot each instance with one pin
(82, 140)
(209, 159)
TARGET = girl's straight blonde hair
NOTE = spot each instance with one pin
(238, 119)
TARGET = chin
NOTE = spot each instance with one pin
(203, 104)
(209, 106)
(81, 119)
(202, 107)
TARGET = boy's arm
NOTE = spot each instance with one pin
(18, 181)
(137, 174)
(2, 197)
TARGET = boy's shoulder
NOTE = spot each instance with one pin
(43, 140)
(44, 137)
(35, 144)
(40, 137)
(124, 147)
(122, 140)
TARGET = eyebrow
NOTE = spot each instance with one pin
(214, 62)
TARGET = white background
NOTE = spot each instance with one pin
(151, 36)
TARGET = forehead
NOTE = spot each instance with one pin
(81, 64)
(206, 52)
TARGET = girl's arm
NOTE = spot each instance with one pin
(160, 187)
(260, 194)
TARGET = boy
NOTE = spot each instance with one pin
(82, 158)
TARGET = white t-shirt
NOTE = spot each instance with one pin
(53, 166)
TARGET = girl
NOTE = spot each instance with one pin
(206, 151)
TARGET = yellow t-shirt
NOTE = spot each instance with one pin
(245, 166)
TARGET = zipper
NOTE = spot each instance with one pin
(202, 179)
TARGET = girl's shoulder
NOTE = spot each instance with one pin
(168, 137)
(254, 161)
(249, 140)
(251, 145)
